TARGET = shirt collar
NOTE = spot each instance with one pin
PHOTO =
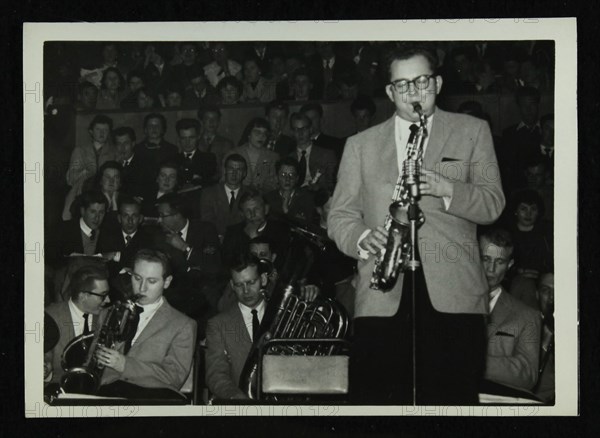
(248, 310)
(125, 234)
(308, 149)
(128, 160)
(150, 309)
(185, 229)
(229, 189)
(494, 295)
(86, 230)
(523, 125)
(74, 309)
(190, 154)
(262, 227)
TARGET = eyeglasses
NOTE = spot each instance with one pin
(420, 83)
(103, 296)
(288, 174)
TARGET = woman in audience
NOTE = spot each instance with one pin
(256, 87)
(229, 90)
(135, 81)
(145, 99)
(112, 90)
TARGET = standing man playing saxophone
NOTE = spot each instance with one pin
(460, 188)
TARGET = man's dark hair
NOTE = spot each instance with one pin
(208, 109)
(243, 260)
(83, 279)
(160, 117)
(251, 193)
(175, 202)
(528, 197)
(230, 80)
(236, 158)
(154, 256)
(404, 51)
(300, 116)
(256, 122)
(107, 165)
(276, 104)
(125, 199)
(287, 161)
(363, 102)
(312, 107)
(498, 237)
(527, 92)
(124, 130)
(90, 197)
(117, 72)
(188, 123)
(168, 164)
(136, 74)
(101, 119)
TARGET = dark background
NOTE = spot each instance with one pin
(11, 341)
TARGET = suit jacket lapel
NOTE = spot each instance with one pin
(239, 322)
(389, 155)
(158, 321)
(501, 312)
(440, 132)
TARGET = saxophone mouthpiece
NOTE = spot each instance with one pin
(417, 107)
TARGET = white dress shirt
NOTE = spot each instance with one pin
(247, 315)
(146, 316)
(78, 319)
(494, 295)
(308, 177)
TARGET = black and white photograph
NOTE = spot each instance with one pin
(344, 218)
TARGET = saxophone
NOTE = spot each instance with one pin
(404, 215)
(83, 372)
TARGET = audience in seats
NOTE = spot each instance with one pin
(112, 90)
(363, 110)
(513, 328)
(256, 87)
(277, 113)
(167, 181)
(210, 140)
(136, 173)
(154, 148)
(222, 66)
(197, 168)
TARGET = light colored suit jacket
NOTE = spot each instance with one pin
(261, 175)
(514, 331)
(460, 147)
(227, 347)
(162, 355)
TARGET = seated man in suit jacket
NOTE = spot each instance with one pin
(314, 111)
(210, 140)
(156, 363)
(136, 174)
(513, 328)
(256, 223)
(317, 165)
(229, 335)
(197, 168)
(277, 113)
(219, 204)
(195, 253)
(78, 315)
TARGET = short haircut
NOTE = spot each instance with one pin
(250, 194)
(208, 109)
(124, 130)
(236, 158)
(188, 123)
(83, 278)
(125, 199)
(498, 237)
(107, 165)
(136, 74)
(117, 72)
(167, 164)
(154, 256)
(300, 116)
(528, 197)
(100, 119)
(363, 102)
(230, 80)
(257, 122)
(287, 161)
(312, 107)
(276, 104)
(160, 117)
(405, 51)
(528, 93)
(90, 197)
(175, 202)
(261, 240)
(243, 260)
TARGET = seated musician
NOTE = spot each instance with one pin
(513, 327)
(79, 315)
(229, 335)
(260, 247)
(159, 357)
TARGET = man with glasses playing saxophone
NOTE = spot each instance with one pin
(434, 352)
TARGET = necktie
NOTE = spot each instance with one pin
(135, 320)
(125, 164)
(255, 325)
(231, 200)
(188, 155)
(302, 165)
(127, 240)
(86, 327)
(93, 235)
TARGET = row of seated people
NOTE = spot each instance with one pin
(520, 353)
(188, 74)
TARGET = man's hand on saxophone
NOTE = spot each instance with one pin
(375, 241)
(111, 359)
(435, 184)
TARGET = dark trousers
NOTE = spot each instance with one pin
(442, 365)
(131, 391)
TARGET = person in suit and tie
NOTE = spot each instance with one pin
(261, 161)
(513, 328)
(219, 204)
(459, 188)
(136, 174)
(314, 111)
(89, 293)
(154, 148)
(229, 335)
(108, 182)
(197, 168)
(277, 113)
(159, 358)
(210, 140)
(317, 165)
